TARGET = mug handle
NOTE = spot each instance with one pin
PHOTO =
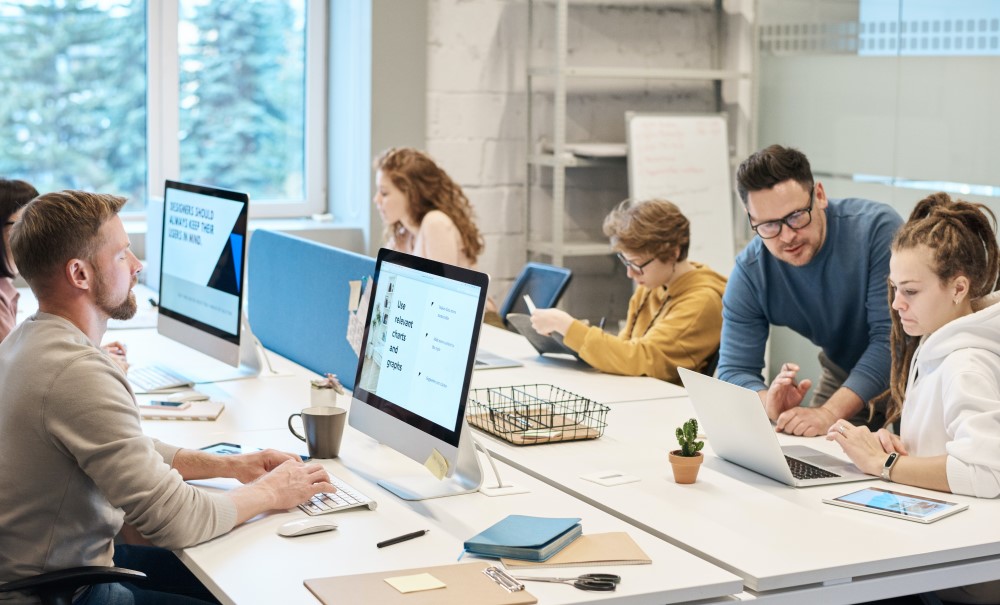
(292, 429)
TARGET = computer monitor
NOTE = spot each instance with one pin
(420, 338)
(202, 254)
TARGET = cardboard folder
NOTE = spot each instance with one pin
(612, 548)
(464, 583)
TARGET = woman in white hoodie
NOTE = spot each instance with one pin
(945, 382)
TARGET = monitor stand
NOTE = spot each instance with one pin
(204, 369)
(467, 478)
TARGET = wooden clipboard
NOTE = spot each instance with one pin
(464, 583)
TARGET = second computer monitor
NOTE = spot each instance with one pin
(416, 364)
(201, 277)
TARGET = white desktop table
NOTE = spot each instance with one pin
(784, 542)
(254, 565)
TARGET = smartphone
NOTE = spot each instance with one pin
(897, 504)
(223, 448)
(232, 448)
(165, 405)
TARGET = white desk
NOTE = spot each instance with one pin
(254, 565)
(784, 542)
(565, 373)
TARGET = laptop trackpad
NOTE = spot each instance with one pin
(817, 458)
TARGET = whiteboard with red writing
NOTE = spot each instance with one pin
(685, 159)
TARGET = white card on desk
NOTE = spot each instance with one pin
(610, 478)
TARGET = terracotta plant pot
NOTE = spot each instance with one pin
(685, 467)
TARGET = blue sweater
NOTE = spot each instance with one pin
(838, 301)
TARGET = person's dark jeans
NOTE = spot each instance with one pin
(168, 581)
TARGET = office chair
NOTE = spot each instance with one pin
(545, 284)
(58, 587)
(711, 364)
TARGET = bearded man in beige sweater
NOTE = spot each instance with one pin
(74, 463)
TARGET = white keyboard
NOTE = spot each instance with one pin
(151, 379)
(345, 497)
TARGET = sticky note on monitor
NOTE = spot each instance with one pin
(437, 464)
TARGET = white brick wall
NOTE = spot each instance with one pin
(477, 123)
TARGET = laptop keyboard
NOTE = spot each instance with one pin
(804, 470)
(345, 497)
(150, 379)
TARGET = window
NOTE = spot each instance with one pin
(231, 86)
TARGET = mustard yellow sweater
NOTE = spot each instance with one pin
(665, 329)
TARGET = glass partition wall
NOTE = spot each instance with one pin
(890, 99)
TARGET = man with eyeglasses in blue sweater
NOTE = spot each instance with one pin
(818, 266)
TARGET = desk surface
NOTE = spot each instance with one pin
(775, 537)
(784, 543)
(254, 565)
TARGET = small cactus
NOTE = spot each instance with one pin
(686, 435)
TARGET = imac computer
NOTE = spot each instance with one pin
(202, 253)
(418, 352)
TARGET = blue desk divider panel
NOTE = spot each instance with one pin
(298, 297)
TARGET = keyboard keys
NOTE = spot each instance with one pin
(804, 470)
(149, 379)
(345, 497)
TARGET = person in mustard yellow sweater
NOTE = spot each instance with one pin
(674, 316)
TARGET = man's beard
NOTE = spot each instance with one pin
(123, 310)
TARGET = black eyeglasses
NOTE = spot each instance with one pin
(636, 268)
(795, 220)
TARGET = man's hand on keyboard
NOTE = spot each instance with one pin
(248, 467)
(290, 484)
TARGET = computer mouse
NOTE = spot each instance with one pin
(304, 527)
(187, 396)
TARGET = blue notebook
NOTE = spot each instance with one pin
(525, 538)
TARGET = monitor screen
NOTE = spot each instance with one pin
(421, 335)
(201, 277)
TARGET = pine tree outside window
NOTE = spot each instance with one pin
(117, 95)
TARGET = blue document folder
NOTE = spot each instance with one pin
(524, 537)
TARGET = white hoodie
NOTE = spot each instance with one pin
(952, 401)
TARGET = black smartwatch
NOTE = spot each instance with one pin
(887, 466)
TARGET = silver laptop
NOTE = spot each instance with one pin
(491, 361)
(740, 431)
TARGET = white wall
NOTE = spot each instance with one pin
(476, 119)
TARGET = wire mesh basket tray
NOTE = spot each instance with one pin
(535, 413)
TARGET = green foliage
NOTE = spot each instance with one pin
(73, 95)
(686, 435)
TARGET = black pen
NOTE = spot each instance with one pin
(402, 538)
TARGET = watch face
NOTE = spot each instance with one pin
(887, 467)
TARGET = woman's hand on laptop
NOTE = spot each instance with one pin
(862, 446)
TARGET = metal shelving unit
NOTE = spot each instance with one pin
(559, 160)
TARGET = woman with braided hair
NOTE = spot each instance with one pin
(945, 380)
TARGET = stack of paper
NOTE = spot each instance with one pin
(523, 537)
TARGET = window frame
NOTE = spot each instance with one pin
(163, 109)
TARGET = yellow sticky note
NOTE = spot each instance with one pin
(436, 464)
(355, 296)
(415, 583)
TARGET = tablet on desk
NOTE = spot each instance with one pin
(897, 504)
